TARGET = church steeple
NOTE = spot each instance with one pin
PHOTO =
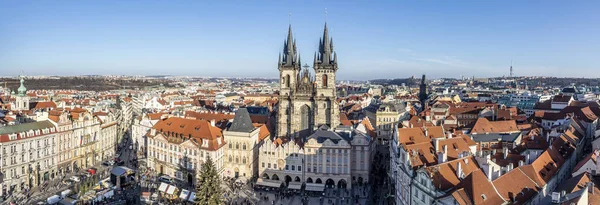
(423, 91)
(22, 90)
(326, 48)
(289, 50)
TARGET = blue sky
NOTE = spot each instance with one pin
(373, 39)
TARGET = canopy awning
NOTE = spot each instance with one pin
(295, 185)
(120, 170)
(163, 187)
(192, 197)
(269, 183)
(171, 189)
(315, 187)
(184, 194)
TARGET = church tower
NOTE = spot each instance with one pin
(22, 100)
(423, 91)
(289, 69)
(289, 65)
(326, 66)
(306, 101)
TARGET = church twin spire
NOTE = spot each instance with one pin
(324, 56)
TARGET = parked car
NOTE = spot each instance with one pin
(165, 179)
(75, 178)
(67, 182)
(92, 171)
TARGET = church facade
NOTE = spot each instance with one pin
(307, 101)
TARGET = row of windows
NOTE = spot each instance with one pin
(329, 169)
(287, 167)
(237, 146)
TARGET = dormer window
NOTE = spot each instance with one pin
(483, 197)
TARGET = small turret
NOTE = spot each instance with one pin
(335, 57)
(22, 90)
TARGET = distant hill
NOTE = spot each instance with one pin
(82, 83)
(397, 81)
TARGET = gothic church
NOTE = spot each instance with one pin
(307, 102)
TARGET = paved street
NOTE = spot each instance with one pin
(56, 185)
(379, 177)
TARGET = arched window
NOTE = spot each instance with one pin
(230, 158)
(244, 160)
(324, 81)
(244, 146)
(287, 81)
(237, 146)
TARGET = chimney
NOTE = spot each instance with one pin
(459, 170)
(494, 152)
(212, 122)
(521, 163)
(436, 144)
(440, 157)
(426, 132)
(527, 159)
(490, 171)
(505, 152)
(597, 163)
(445, 149)
(448, 135)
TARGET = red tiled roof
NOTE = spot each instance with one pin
(445, 176)
(196, 130)
(483, 125)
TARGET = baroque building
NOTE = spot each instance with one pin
(307, 102)
(179, 146)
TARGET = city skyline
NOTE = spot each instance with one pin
(239, 39)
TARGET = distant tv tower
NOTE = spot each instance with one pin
(511, 69)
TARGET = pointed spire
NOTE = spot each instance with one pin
(315, 61)
(290, 38)
(289, 52)
(325, 38)
(331, 44)
(279, 62)
(334, 57)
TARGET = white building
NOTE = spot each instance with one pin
(28, 155)
(328, 159)
(243, 145)
(178, 147)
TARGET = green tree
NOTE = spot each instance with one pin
(208, 191)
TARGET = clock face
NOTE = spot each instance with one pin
(280, 163)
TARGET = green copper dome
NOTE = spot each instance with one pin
(22, 90)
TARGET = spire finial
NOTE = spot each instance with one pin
(325, 15)
(290, 18)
